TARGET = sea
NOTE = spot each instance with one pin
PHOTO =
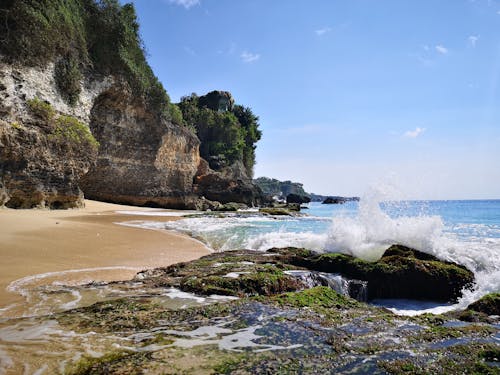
(462, 231)
(465, 232)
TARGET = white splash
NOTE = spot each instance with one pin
(372, 231)
(368, 234)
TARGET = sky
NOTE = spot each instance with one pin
(350, 93)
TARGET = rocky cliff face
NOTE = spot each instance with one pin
(142, 159)
(81, 112)
(39, 166)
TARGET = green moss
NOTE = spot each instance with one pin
(489, 304)
(441, 332)
(41, 109)
(266, 282)
(231, 364)
(472, 358)
(16, 125)
(90, 365)
(70, 129)
(275, 211)
(318, 297)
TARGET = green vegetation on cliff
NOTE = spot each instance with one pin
(228, 132)
(101, 36)
(272, 186)
(62, 128)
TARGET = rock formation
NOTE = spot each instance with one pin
(38, 166)
(81, 112)
(143, 160)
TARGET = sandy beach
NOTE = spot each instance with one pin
(82, 245)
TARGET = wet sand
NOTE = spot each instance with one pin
(34, 242)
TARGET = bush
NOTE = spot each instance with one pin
(68, 77)
(41, 109)
(175, 114)
(71, 130)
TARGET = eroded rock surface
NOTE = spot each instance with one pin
(302, 331)
(39, 166)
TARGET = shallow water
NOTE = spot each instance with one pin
(465, 232)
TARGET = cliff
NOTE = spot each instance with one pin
(81, 112)
(281, 189)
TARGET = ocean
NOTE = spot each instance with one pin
(466, 232)
(463, 231)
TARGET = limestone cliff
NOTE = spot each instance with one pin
(81, 112)
(143, 160)
(39, 166)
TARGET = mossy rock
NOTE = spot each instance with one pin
(315, 298)
(252, 284)
(489, 304)
(400, 273)
(275, 211)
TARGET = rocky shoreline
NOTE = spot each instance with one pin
(284, 323)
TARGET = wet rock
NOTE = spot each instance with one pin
(489, 304)
(296, 198)
(231, 184)
(400, 273)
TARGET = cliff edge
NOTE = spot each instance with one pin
(81, 112)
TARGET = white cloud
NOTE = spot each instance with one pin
(441, 49)
(322, 31)
(185, 3)
(473, 40)
(414, 133)
(248, 57)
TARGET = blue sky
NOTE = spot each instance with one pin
(349, 93)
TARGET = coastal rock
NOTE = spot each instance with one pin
(334, 200)
(220, 101)
(231, 184)
(297, 198)
(234, 273)
(101, 122)
(400, 273)
(143, 160)
(40, 164)
(489, 304)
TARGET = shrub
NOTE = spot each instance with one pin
(70, 129)
(68, 77)
(41, 109)
(175, 114)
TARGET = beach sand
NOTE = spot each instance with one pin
(34, 242)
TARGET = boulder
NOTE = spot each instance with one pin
(489, 304)
(400, 273)
(334, 200)
(297, 198)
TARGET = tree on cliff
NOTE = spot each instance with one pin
(228, 133)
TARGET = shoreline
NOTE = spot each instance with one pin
(76, 246)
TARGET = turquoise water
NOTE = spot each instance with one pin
(465, 232)
(465, 219)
